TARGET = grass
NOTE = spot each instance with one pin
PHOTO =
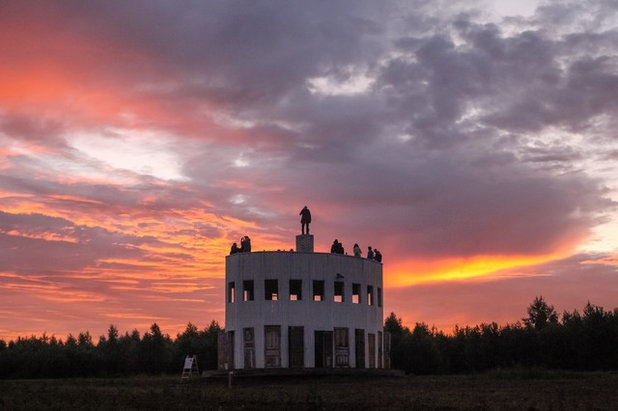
(499, 390)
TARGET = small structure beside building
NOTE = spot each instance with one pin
(303, 309)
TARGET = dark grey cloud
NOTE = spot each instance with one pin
(145, 194)
(36, 243)
(447, 146)
(240, 55)
(34, 128)
(439, 208)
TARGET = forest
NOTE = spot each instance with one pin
(543, 339)
(113, 355)
(574, 341)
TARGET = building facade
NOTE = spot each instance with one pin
(302, 309)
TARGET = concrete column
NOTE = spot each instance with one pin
(304, 243)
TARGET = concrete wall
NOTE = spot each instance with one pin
(312, 315)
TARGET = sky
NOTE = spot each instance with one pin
(474, 143)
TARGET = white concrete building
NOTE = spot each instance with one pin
(302, 310)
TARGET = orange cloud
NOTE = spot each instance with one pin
(42, 236)
(74, 198)
(49, 71)
(610, 260)
(408, 272)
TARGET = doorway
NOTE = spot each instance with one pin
(342, 347)
(296, 346)
(272, 346)
(371, 341)
(359, 342)
(323, 349)
(249, 347)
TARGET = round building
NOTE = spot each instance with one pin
(302, 309)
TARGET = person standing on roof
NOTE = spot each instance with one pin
(377, 256)
(245, 244)
(335, 247)
(305, 219)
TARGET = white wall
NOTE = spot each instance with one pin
(323, 315)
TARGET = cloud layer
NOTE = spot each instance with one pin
(141, 139)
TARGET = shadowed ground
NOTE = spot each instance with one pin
(498, 390)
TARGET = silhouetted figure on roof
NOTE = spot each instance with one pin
(305, 219)
(337, 247)
(357, 251)
(370, 254)
(245, 244)
(234, 249)
(334, 247)
(378, 256)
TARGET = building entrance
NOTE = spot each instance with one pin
(323, 349)
(272, 346)
(296, 346)
(359, 345)
(249, 347)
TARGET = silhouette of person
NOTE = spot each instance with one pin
(357, 250)
(378, 256)
(245, 244)
(305, 219)
(369, 253)
(335, 247)
(234, 249)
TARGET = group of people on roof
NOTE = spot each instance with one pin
(337, 248)
(245, 246)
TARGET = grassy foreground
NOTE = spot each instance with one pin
(508, 390)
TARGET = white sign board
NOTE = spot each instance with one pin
(190, 368)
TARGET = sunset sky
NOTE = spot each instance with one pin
(475, 144)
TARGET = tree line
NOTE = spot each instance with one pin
(580, 342)
(113, 354)
(573, 341)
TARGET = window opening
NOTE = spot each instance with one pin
(356, 293)
(296, 290)
(338, 296)
(318, 290)
(247, 290)
(271, 290)
(230, 292)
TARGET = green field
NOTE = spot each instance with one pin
(508, 390)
